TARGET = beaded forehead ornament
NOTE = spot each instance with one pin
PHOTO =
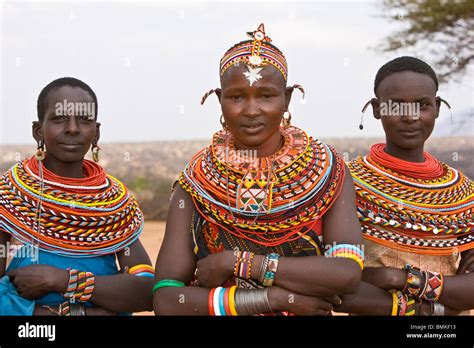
(255, 54)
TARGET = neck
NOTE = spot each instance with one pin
(64, 169)
(268, 148)
(410, 155)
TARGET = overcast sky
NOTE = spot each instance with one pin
(150, 62)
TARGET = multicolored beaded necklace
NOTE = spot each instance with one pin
(267, 201)
(86, 217)
(426, 208)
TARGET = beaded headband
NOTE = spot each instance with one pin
(256, 53)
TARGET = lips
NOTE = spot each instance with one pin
(253, 128)
(70, 146)
(410, 132)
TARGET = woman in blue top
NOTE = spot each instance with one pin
(71, 223)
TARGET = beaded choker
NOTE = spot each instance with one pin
(425, 213)
(85, 217)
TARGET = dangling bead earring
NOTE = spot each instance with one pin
(449, 107)
(287, 120)
(361, 126)
(95, 153)
(40, 153)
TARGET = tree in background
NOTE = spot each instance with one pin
(444, 29)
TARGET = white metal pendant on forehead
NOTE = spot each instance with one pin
(253, 74)
(255, 60)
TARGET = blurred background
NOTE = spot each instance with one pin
(150, 62)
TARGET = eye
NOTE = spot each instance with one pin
(424, 104)
(86, 119)
(235, 97)
(59, 118)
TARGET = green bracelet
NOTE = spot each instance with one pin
(165, 283)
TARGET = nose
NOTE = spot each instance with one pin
(72, 125)
(411, 118)
(252, 108)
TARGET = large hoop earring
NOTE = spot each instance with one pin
(95, 153)
(223, 124)
(287, 120)
(40, 153)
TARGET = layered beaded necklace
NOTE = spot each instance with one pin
(266, 200)
(85, 217)
(423, 207)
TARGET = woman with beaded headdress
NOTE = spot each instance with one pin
(263, 220)
(73, 222)
(416, 212)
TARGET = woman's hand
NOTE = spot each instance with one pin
(467, 262)
(35, 281)
(385, 277)
(283, 300)
(215, 269)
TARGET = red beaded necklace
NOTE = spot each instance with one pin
(429, 169)
(94, 174)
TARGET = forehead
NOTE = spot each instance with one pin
(71, 94)
(406, 85)
(235, 77)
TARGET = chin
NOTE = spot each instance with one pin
(69, 156)
(252, 141)
(411, 144)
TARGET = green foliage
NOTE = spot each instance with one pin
(443, 30)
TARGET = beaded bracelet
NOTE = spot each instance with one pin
(402, 303)
(422, 284)
(416, 281)
(434, 287)
(412, 303)
(64, 309)
(166, 283)
(263, 269)
(80, 286)
(142, 270)
(72, 283)
(347, 251)
(271, 269)
(243, 264)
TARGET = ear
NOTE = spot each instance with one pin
(37, 131)
(375, 108)
(288, 94)
(95, 141)
(218, 92)
(438, 105)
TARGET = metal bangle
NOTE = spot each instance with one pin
(251, 302)
(77, 309)
(438, 309)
